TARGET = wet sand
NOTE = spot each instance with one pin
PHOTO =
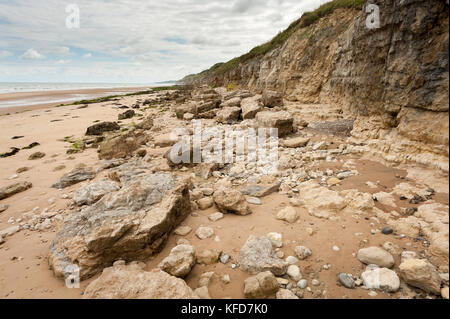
(26, 101)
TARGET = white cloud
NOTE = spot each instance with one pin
(5, 54)
(61, 62)
(168, 39)
(63, 51)
(32, 54)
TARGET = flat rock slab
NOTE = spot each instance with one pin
(132, 282)
(76, 176)
(260, 190)
(13, 189)
(131, 224)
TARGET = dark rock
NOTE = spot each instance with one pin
(77, 175)
(387, 230)
(346, 280)
(13, 189)
(100, 128)
(35, 156)
(14, 151)
(126, 115)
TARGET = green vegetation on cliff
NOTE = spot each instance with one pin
(305, 20)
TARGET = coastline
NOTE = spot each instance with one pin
(26, 101)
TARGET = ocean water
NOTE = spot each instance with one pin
(21, 87)
(16, 87)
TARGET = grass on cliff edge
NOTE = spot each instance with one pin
(305, 20)
(112, 97)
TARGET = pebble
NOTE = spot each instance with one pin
(315, 282)
(254, 201)
(346, 280)
(215, 217)
(224, 258)
(387, 230)
(302, 284)
(336, 248)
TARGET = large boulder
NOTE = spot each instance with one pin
(77, 175)
(263, 285)
(421, 274)
(272, 98)
(376, 256)
(131, 224)
(251, 106)
(122, 145)
(128, 114)
(233, 102)
(180, 261)
(228, 115)
(281, 120)
(257, 255)
(132, 282)
(13, 189)
(93, 192)
(100, 128)
(231, 201)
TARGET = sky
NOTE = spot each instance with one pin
(133, 41)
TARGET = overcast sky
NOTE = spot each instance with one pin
(133, 41)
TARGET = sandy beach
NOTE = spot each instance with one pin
(24, 264)
(26, 101)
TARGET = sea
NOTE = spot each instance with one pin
(23, 87)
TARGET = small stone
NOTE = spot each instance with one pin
(294, 273)
(288, 214)
(204, 232)
(180, 261)
(208, 256)
(276, 239)
(205, 203)
(336, 248)
(183, 230)
(254, 201)
(285, 294)
(346, 280)
(215, 217)
(372, 294)
(333, 181)
(263, 285)
(382, 279)
(35, 156)
(224, 258)
(291, 260)
(377, 256)
(225, 279)
(3, 207)
(387, 230)
(315, 282)
(302, 252)
(302, 284)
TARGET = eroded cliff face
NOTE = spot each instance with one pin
(392, 80)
